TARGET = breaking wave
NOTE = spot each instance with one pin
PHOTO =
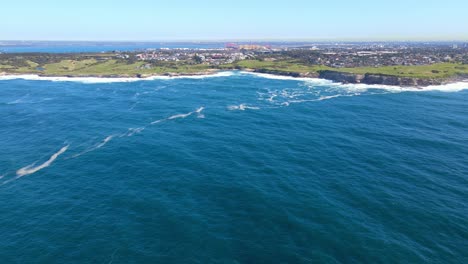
(91, 80)
(242, 107)
(180, 116)
(30, 169)
(198, 111)
(451, 87)
(133, 131)
(286, 78)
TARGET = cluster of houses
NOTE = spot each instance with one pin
(378, 56)
(218, 58)
(162, 56)
(210, 57)
(332, 55)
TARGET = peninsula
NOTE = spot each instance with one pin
(369, 63)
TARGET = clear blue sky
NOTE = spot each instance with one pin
(233, 19)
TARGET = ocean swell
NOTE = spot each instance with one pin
(30, 169)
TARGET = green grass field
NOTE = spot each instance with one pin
(439, 70)
(108, 66)
(280, 66)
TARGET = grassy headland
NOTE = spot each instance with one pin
(111, 65)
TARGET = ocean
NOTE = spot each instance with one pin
(93, 47)
(231, 168)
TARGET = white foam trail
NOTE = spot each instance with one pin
(104, 142)
(2, 176)
(198, 111)
(242, 107)
(91, 80)
(179, 116)
(158, 121)
(281, 77)
(321, 98)
(133, 131)
(30, 169)
(99, 145)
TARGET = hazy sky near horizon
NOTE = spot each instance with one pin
(239, 19)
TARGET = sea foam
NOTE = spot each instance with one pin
(133, 131)
(91, 80)
(242, 107)
(97, 146)
(30, 169)
(451, 87)
(198, 111)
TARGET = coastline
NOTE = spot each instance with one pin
(368, 78)
(332, 76)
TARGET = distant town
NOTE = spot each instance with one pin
(338, 55)
(393, 63)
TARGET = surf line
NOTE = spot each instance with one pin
(198, 111)
(97, 146)
(30, 169)
(132, 131)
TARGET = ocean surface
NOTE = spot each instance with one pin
(231, 168)
(73, 47)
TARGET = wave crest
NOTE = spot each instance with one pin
(242, 107)
(30, 169)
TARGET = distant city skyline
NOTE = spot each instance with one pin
(182, 20)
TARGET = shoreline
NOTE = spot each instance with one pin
(369, 78)
(332, 76)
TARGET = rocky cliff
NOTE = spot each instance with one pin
(286, 73)
(368, 78)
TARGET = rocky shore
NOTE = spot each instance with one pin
(344, 77)
(335, 76)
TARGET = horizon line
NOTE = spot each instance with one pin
(254, 40)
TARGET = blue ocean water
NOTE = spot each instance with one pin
(235, 168)
(51, 47)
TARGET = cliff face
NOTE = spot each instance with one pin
(400, 81)
(344, 77)
(368, 78)
(291, 74)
